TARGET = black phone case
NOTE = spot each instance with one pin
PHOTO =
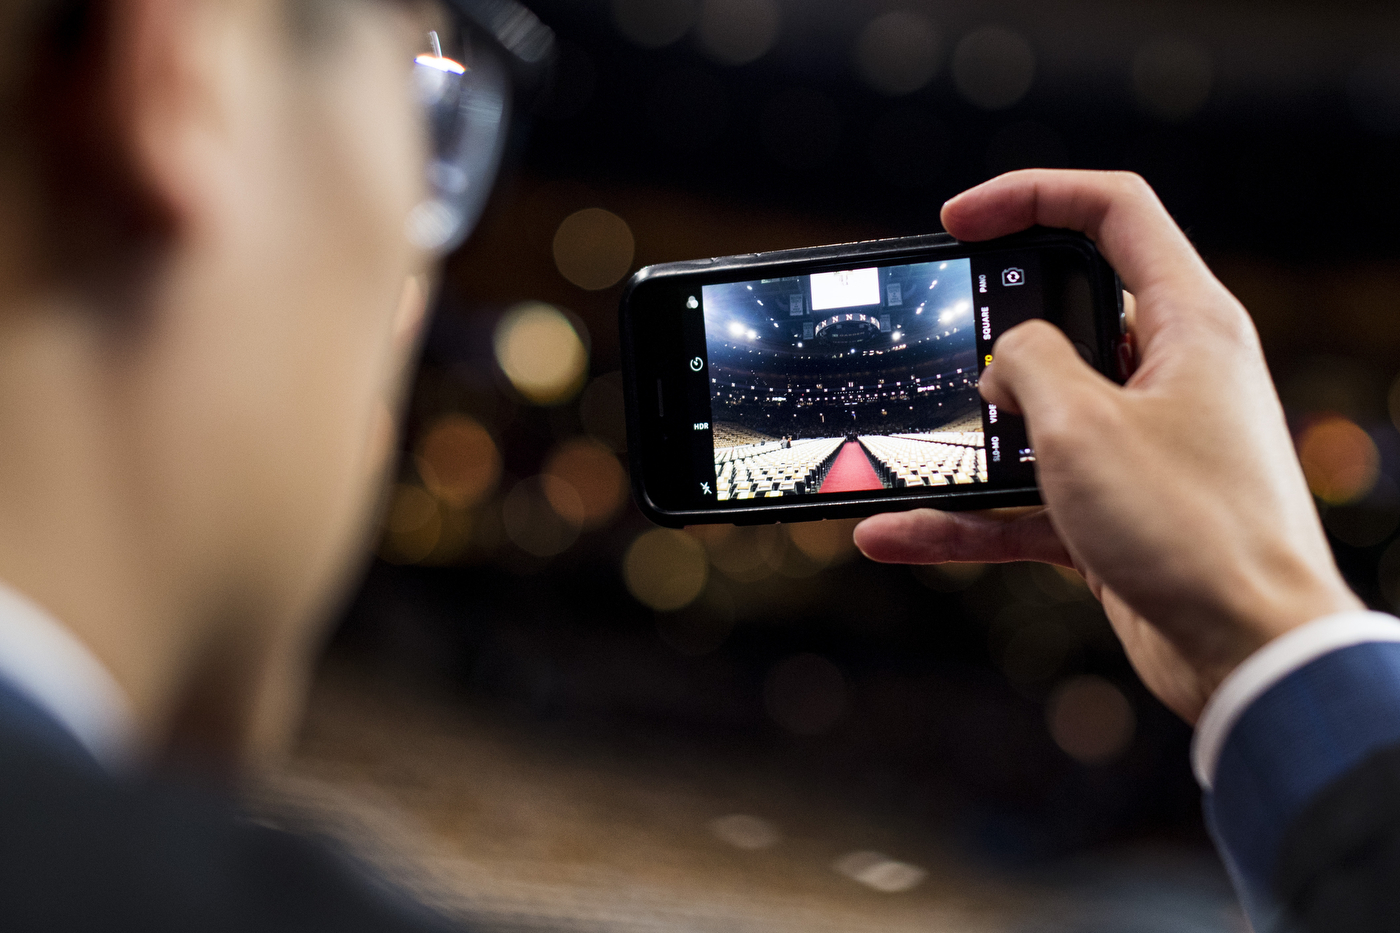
(1108, 296)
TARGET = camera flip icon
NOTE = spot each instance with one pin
(1013, 276)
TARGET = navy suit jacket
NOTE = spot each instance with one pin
(81, 850)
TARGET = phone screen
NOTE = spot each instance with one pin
(862, 381)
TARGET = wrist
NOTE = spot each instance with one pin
(1260, 612)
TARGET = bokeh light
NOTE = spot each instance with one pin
(460, 532)
(412, 525)
(653, 24)
(1172, 78)
(665, 569)
(736, 32)
(825, 543)
(897, 52)
(993, 67)
(458, 460)
(541, 353)
(593, 473)
(1339, 459)
(1091, 720)
(880, 872)
(564, 499)
(542, 515)
(742, 831)
(805, 694)
(593, 248)
(745, 554)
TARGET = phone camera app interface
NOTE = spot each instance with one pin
(841, 382)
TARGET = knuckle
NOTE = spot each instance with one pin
(1132, 184)
(1026, 337)
(1080, 413)
(1222, 326)
(1049, 432)
(1098, 411)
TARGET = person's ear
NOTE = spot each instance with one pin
(136, 119)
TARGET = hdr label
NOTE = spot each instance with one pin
(702, 425)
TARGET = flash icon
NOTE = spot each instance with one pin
(705, 488)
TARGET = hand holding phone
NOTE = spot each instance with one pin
(843, 380)
(1178, 495)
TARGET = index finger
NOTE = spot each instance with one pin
(1117, 210)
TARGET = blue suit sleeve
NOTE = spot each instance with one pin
(1300, 737)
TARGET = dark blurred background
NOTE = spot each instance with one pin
(605, 725)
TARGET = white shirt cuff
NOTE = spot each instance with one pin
(1272, 663)
(43, 660)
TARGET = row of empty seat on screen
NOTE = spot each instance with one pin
(758, 470)
(960, 438)
(944, 458)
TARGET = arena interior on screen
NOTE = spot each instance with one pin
(845, 381)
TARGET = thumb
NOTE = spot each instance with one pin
(1037, 373)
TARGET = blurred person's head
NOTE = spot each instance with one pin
(207, 300)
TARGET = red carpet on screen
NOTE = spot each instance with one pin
(851, 471)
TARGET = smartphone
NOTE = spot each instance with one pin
(842, 380)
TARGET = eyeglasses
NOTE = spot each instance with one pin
(477, 58)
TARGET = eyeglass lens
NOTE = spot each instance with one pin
(463, 89)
